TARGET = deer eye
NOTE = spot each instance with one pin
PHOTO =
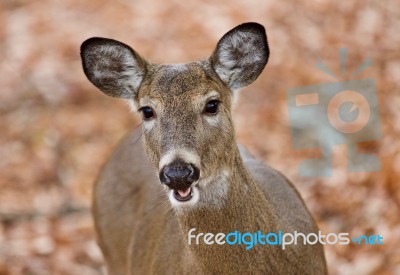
(147, 112)
(212, 107)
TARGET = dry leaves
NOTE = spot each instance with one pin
(57, 129)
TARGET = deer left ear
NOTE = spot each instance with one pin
(113, 67)
(241, 55)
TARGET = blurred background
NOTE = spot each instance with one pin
(57, 129)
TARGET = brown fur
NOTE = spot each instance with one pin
(138, 231)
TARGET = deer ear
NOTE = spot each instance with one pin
(241, 55)
(113, 67)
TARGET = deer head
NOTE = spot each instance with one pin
(186, 108)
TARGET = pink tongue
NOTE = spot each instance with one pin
(185, 193)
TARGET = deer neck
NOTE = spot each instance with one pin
(244, 208)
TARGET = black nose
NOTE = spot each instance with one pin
(179, 175)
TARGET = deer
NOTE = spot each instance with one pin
(183, 171)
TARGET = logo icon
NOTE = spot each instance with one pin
(328, 114)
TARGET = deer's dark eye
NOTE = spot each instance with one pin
(147, 112)
(212, 107)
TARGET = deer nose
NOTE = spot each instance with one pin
(179, 175)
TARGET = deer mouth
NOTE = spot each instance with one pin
(183, 195)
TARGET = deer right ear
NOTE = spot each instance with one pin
(241, 55)
(113, 67)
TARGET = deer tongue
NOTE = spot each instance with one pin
(184, 193)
